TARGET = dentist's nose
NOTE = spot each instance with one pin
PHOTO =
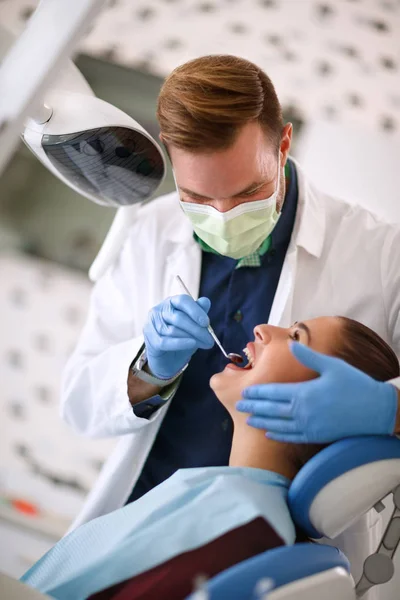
(223, 206)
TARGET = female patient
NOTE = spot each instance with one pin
(204, 520)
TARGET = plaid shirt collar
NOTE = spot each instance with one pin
(252, 260)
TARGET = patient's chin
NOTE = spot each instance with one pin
(219, 384)
(216, 381)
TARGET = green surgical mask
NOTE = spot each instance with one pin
(237, 232)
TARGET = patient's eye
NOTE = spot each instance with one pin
(295, 335)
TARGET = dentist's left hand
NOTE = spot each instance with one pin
(174, 330)
(341, 402)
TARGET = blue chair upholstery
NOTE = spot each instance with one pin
(330, 463)
(283, 565)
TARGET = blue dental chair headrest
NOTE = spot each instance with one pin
(331, 491)
(343, 471)
(283, 565)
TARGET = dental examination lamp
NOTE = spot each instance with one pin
(92, 146)
(96, 149)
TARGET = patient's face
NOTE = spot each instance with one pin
(272, 359)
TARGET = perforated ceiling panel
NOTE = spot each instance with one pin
(337, 59)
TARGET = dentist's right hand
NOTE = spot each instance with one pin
(174, 330)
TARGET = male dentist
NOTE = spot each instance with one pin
(255, 242)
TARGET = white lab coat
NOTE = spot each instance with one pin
(341, 261)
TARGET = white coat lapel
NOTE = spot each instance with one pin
(281, 310)
(185, 261)
(183, 254)
(308, 233)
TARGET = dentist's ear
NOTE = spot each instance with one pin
(286, 142)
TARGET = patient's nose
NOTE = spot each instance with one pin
(262, 333)
(265, 333)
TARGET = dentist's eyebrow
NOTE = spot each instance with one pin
(305, 328)
(253, 187)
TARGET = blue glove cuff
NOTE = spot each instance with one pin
(150, 376)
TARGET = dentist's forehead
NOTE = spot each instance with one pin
(223, 174)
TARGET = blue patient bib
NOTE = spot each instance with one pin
(187, 511)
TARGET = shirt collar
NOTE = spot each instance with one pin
(309, 227)
(251, 260)
(281, 232)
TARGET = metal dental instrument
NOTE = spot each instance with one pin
(232, 356)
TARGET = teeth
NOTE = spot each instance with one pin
(249, 357)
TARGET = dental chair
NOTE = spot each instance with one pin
(335, 488)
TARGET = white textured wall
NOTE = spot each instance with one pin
(353, 163)
(42, 310)
(334, 58)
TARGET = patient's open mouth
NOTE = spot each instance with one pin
(249, 353)
(249, 357)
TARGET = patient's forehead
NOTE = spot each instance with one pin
(326, 333)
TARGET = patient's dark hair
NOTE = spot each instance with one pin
(367, 351)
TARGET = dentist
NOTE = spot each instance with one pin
(256, 242)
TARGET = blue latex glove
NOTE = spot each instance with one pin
(174, 330)
(342, 402)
